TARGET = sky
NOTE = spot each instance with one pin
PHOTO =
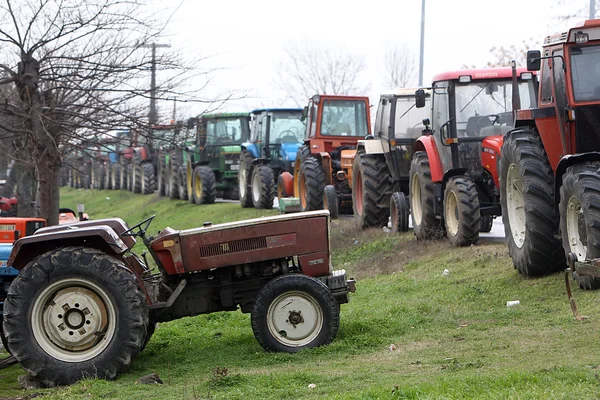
(244, 41)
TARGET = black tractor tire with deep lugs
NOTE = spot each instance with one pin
(462, 216)
(161, 179)
(147, 178)
(330, 201)
(312, 184)
(303, 153)
(487, 222)
(204, 185)
(579, 195)
(136, 175)
(539, 252)
(294, 284)
(245, 179)
(425, 224)
(173, 184)
(263, 176)
(399, 212)
(371, 190)
(75, 267)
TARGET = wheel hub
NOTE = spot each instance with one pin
(576, 228)
(295, 319)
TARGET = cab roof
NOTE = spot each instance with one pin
(480, 74)
(225, 115)
(260, 110)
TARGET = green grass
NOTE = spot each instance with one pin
(454, 336)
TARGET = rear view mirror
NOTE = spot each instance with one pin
(420, 98)
(534, 60)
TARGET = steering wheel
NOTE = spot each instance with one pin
(142, 231)
(288, 133)
(496, 118)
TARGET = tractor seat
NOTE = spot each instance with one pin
(474, 124)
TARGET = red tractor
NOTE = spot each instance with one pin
(323, 168)
(83, 305)
(454, 188)
(550, 164)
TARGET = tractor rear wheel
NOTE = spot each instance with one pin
(244, 179)
(136, 183)
(294, 312)
(4, 340)
(124, 178)
(330, 201)
(189, 182)
(312, 184)
(115, 175)
(263, 187)
(530, 220)
(371, 191)
(580, 217)
(462, 216)
(147, 178)
(182, 182)
(75, 313)
(204, 185)
(173, 183)
(487, 222)
(303, 153)
(399, 212)
(161, 178)
(424, 222)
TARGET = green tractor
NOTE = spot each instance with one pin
(211, 166)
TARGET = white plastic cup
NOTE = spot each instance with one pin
(512, 303)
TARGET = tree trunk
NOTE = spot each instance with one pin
(49, 194)
(26, 188)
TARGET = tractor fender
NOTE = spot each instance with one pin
(259, 161)
(566, 162)
(490, 154)
(99, 237)
(251, 148)
(370, 146)
(427, 144)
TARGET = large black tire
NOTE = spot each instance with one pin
(115, 176)
(147, 179)
(462, 216)
(55, 284)
(245, 179)
(4, 341)
(580, 216)
(189, 183)
(330, 201)
(107, 181)
(424, 222)
(263, 187)
(204, 185)
(124, 178)
(173, 184)
(161, 184)
(399, 212)
(286, 297)
(182, 182)
(312, 184)
(371, 190)
(526, 177)
(487, 222)
(302, 153)
(136, 174)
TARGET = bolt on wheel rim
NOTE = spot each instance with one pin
(451, 213)
(73, 320)
(415, 199)
(515, 203)
(576, 229)
(294, 319)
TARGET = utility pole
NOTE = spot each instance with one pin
(592, 9)
(153, 114)
(421, 53)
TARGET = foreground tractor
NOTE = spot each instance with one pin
(275, 136)
(454, 188)
(323, 171)
(550, 169)
(84, 305)
(211, 166)
(381, 167)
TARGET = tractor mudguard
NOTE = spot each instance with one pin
(100, 237)
(288, 151)
(370, 146)
(490, 154)
(116, 224)
(252, 148)
(427, 144)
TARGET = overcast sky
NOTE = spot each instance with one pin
(246, 39)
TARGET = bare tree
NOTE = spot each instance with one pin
(500, 56)
(571, 11)
(77, 71)
(314, 67)
(399, 66)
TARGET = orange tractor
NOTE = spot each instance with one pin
(323, 170)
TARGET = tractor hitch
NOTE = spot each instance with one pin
(583, 268)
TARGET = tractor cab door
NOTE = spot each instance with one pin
(442, 126)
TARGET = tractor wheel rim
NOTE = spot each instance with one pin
(73, 320)
(256, 187)
(515, 203)
(451, 213)
(294, 319)
(303, 191)
(198, 187)
(242, 182)
(359, 193)
(415, 199)
(576, 229)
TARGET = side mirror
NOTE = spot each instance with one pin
(534, 60)
(304, 113)
(420, 98)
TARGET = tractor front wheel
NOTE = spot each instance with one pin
(330, 201)
(530, 220)
(462, 216)
(182, 182)
(487, 222)
(75, 313)
(425, 224)
(244, 179)
(312, 184)
(399, 212)
(204, 185)
(294, 312)
(162, 178)
(173, 182)
(147, 178)
(263, 186)
(580, 217)
(370, 190)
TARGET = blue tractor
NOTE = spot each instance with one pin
(275, 136)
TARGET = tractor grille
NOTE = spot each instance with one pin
(587, 128)
(235, 246)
